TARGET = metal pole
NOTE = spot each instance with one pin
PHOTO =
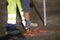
(44, 8)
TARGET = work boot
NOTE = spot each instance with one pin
(29, 24)
(33, 24)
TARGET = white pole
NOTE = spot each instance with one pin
(44, 8)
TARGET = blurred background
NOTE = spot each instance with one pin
(36, 15)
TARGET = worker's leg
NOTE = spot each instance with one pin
(25, 5)
(11, 20)
(26, 9)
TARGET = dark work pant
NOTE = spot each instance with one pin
(26, 5)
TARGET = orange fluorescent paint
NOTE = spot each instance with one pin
(29, 34)
(43, 31)
(38, 30)
(34, 32)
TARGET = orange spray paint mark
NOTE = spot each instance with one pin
(29, 34)
(34, 32)
(38, 30)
